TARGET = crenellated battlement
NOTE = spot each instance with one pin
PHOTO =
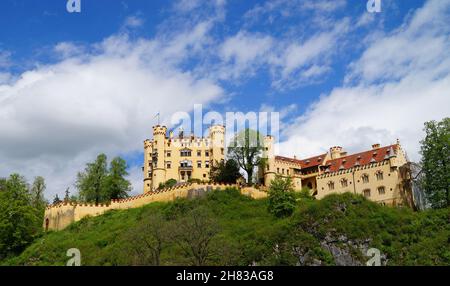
(61, 215)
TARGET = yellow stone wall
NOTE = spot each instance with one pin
(60, 216)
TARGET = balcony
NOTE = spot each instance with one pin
(185, 168)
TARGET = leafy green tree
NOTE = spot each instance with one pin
(281, 197)
(225, 172)
(435, 149)
(99, 184)
(37, 193)
(20, 221)
(91, 183)
(117, 187)
(246, 149)
(167, 184)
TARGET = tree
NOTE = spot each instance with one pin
(168, 184)
(148, 240)
(246, 148)
(91, 182)
(37, 193)
(435, 150)
(225, 172)
(56, 200)
(281, 197)
(117, 186)
(99, 184)
(194, 233)
(20, 221)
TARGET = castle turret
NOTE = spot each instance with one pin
(147, 168)
(217, 135)
(335, 152)
(158, 156)
(268, 172)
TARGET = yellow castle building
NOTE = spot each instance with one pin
(380, 174)
(182, 158)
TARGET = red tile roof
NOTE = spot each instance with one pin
(304, 163)
(361, 159)
(288, 160)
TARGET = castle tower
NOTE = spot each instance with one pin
(335, 152)
(158, 156)
(268, 173)
(217, 136)
(147, 168)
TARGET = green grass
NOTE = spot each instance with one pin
(249, 234)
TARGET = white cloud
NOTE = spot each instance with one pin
(55, 118)
(404, 80)
(133, 22)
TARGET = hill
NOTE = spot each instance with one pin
(227, 228)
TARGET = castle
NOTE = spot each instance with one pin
(182, 158)
(380, 174)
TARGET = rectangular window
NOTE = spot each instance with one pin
(366, 193)
(199, 153)
(169, 165)
(199, 164)
(169, 154)
(206, 164)
(207, 153)
(381, 191)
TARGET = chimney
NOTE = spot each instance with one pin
(375, 146)
(295, 157)
(335, 152)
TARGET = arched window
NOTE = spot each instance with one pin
(379, 175)
(330, 185)
(381, 190)
(365, 178)
(366, 193)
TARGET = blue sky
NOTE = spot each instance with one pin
(76, 84)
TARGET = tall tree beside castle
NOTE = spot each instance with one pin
(20, 220)
(225, 172)
(117, 186)
(99, 184)
(246, 149)
(37, 193)
(435, 163)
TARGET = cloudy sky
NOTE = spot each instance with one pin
(74, 85)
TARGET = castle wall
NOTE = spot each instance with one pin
(394, 192)
(58, 217)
